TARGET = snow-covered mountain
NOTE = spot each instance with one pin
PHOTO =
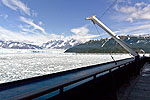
(68, 43)
(107, 45)
(17, 45)
(53, 44)
(60, 44)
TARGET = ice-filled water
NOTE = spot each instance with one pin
(21, 64)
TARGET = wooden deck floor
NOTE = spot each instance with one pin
(140, 87)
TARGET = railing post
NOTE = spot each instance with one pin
(110, 71)
(61, 90)
(94, 76)
(137, 59)
(114, 88)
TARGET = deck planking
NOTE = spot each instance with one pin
(140, 87)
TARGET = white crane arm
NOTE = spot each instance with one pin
(114, 36)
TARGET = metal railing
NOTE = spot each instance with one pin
(110, 67)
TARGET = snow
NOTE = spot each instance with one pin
(61, 43)
(11, 45)
(128, 38)
(141, 41)
(141, 35)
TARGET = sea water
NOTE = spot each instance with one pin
(21, 64)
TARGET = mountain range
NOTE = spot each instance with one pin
(60, 44)
(52, 44)
(139, 43)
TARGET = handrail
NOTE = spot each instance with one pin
(44, 77)
(60, 86)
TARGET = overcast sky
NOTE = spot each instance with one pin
(39, 21)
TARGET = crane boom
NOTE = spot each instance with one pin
(114, 36)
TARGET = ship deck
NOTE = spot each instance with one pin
(140, 86)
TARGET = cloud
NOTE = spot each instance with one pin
(17, 5)
(26, 36)
(37, 38)
(40, 22)
(32, 36)
(32, 24)
(139, 10)
(4, 16)
(81, 33)
(140, 30)
(140, 4)
(136, 28)
(34, 13)
(9, 35)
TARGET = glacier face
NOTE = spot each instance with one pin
(26, 64)
(17, 45)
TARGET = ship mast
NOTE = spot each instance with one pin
(114, 36)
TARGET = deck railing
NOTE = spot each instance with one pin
(113, 69)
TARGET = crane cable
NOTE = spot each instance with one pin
(104, 44)
(98, 30)
(108, 9)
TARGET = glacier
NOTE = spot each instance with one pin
(17, 64)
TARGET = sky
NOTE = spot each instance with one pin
(39, 21)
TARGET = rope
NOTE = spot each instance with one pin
(108, 9)
(113, 59)
(97, 31)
